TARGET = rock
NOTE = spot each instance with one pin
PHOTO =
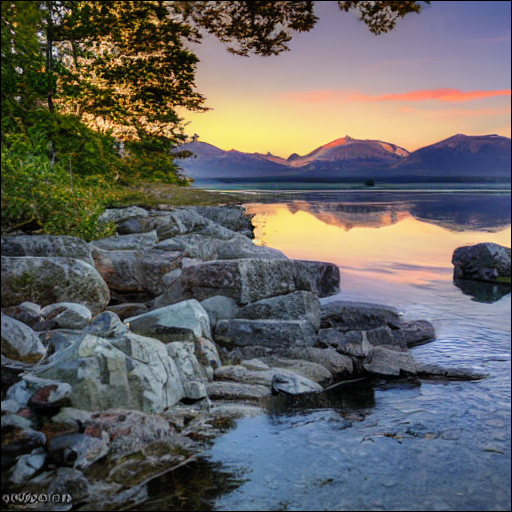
(11, 371)
(107, 325)
(352, 343)
(192, 246)
(20, 342)
(194, 376)
(40, 394)
(119, 215)
(50, 280)
(74, 418)
(433, 371)
(254, 364)
(69, 483)
(293, 385)
(47, 246)
(482, 262)
(267, 378)
(385, 362)
(229, 411)
(126, 242)
(207, 355)
(130, 372)
(10, 406)
(385, 336)
(185, 321)
(266, 333)
(59, 339)
(240, 247)
(26, 466)
(127, 310)
(220, 308)
(294, 306)
(250, 280)
(27, 313)
(412, 334)
(348, 315)
(135, 270)
(78, 450)
(67, 315)
(230, 217)
(313, 371)
(236, 391)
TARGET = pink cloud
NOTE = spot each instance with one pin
(444, 95)
(454, 113)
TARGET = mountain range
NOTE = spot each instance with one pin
(458, 158)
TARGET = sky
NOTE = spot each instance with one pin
(443, 72)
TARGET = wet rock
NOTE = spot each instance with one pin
(47, 246)
(194, 376)
(236, 391)
(250, 280)
(293, 384)
(294, 306)
(482, 262)
(127, 310)
(126, 242)
(118, 215)
(27, 313)
(135, 270)
(26, 466)
(107, 325)
(78, 450)
(50, 280)
(220, 308)
(185, 321)
(67, 315)
(433, 371)
(227, 411)
(20, 342)
(348, 315)
(412, 334)
(130, 371)
(265, 333)
(385, 362)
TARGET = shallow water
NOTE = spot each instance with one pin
(381, 446)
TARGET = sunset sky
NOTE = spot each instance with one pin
(443, 72)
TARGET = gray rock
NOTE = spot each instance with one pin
(240, 247)
(255, 364)
(293, 384)
(185, 321)
(265, 333)
(47, 246)
(67, 315)
(348, 315)
(250, 280)
(385, 336)
(194, 376)
(313, 371)
(170, 277)
(352, 343)
(49, 280)
(294, 306)
(130, 372)
(482, 262)
(78, 450)
(220, 308)
(59, 339)
(20, 342)
(135, 270)
(10, 406)
(192, 246)
(125, 242)
(27, 313)
(40, 393)
(385, 362)
(434, 371)
(207, 355)
(412, 334)
(230, 217)
(11, 373)
(69, 482)
(236, 391)
(26, 466)
(119, 215)
(227, 411)
(128, 309)
(107, 325)
(73, 417)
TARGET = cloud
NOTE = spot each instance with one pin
(443, 95)
(454, 113)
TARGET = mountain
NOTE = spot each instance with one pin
(462, 155)
(458, 158)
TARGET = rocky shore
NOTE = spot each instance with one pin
(123, 356)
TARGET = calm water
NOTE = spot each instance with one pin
(438, 446)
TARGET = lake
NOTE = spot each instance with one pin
(384, 446)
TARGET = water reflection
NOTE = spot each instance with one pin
(488, 293)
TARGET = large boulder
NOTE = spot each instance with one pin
(293, 306)
(349, 315)
(20, 342)
(230, 217)
(118, 215)
(275, 334)
(49, 280)
(220, 308)
(192, 246)
(126, 242)
(240, 247)
(128, 372)
(185, 321)
(135, 270)
(482, 262)
(47, 246)
(250, 280)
